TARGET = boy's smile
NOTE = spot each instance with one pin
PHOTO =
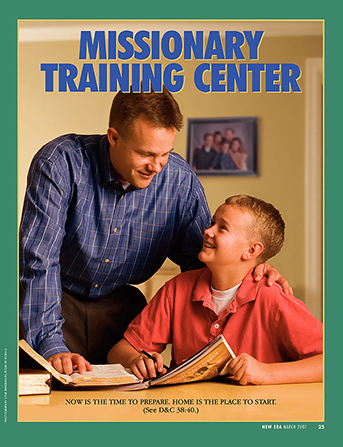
(206, 244)
(226, 240)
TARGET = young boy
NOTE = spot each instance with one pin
(274, 336)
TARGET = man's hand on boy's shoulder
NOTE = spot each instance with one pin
(273, 276)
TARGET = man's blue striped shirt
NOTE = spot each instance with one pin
(81, 231)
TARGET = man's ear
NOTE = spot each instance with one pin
(254, 250)
(112, 136)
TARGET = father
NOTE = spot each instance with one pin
(102, 212)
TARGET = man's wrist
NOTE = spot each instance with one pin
(50, 347)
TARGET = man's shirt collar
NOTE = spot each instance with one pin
(108, 173)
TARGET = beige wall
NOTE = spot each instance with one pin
(281, 131)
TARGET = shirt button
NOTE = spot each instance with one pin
(107, 261)
(96, 286)
(115, 230)
(216, 326)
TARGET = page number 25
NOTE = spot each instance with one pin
(321, 427)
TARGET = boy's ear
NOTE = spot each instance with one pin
(254, 250)
(112, 136)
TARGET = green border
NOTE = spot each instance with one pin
(153, 433)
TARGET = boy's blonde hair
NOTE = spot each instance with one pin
(268, 226)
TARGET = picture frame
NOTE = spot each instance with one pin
(223, 146)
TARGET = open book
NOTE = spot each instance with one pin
(211, 361)
(101, 375)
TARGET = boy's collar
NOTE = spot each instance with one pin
(246, 292)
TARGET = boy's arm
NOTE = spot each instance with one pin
(246, 369)
(142, 366)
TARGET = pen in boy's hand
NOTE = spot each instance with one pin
(153, 358)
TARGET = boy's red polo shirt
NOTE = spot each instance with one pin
(261, 321)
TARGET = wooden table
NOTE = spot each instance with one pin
(197, 402)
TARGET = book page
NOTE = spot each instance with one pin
(100, 375)
(103, 371)
(204, 365)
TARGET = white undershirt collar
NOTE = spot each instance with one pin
(222, 298)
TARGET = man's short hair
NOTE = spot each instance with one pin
(268, 226)
(159, 109)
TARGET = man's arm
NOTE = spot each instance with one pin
(41, 236)
(194, 218)
(247, 370)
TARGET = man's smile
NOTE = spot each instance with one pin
(146, 175)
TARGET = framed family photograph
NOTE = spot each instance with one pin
(222, 146)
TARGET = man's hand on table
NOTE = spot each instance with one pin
(68, 362)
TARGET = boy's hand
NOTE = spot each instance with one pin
(273, 276)
(145, 368)
(68, 362)
(246, 369)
